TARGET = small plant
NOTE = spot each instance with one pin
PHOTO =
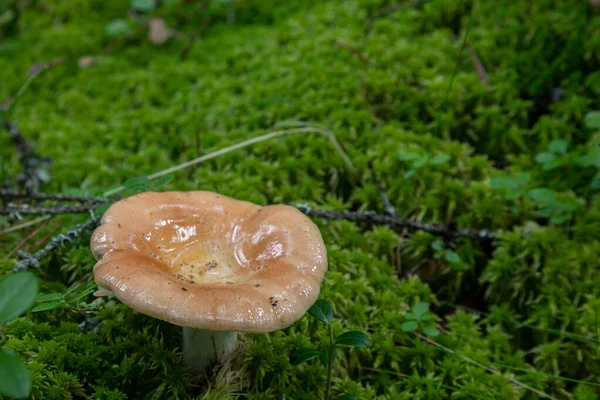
(71, 300)
(323, 311)
(417, 161)
(17, 294)
(420, 318)
(555, 157)
(439, 251)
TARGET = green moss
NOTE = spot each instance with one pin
(445, 154)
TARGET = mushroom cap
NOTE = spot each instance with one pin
(203, 260)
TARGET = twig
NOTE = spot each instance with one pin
(390, 10)
(41, 241)
(203, 25)
(271, 135)
(58, 210)
(485, 367)
(358, 53)
(29, 159)
(27, 238)
(387, 204)
(376, 219)
(11, 194)
(483, 76)
(25, 224)
(33, 260)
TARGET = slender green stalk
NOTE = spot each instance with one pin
(330, 363)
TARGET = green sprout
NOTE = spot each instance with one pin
(420, 318)
(323, 311)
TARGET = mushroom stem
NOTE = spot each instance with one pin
(202, 348)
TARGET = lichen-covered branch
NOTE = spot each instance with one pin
(58, 210)
(12, 194)
(394, 222)
(33, 260)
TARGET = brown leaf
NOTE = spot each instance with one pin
(158, 32)
(86, 61)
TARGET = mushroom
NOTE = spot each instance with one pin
(211, 264)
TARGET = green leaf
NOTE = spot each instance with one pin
(163, 180)
(543, 158)
(426, 317)
(83, 294)
(437, 245)
(49, 297)
(344, 396)
(322, 311)
(557, 162)
(419, 309)
(354, 339)
(117, 28)
(596, 182)
(411, 316)
(452, 257)
(592, 120)
(409, 326)
(47, 306)
(430, 330)
(439, 159)
(325, 359)
(302, 355)
(14, 376)
(101, 209)
(72, 289)
(542, 195)
(558, 146)
(139, 183)
(503, 182)
(17, 294)
(143, 5)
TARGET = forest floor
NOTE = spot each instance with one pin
(471, 128)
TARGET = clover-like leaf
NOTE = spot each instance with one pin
(419, 309)
(322, 311)
(17, 294)
(354, 339)
(409, 326)
(592, 120)
(558, 146)
(139, 183)
(452, 257)
(431, 330)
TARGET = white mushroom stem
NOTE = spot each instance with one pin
(202, 348)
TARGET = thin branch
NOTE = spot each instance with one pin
(271, 135)
(358, 53)
(376, 219)
(483, 76)
(25, 224)
(58, 210)
(27, 239)
(11, 194)
(31, 161)
(193, 38)
(33, 260)
(43, 239)
(387, 204)
(484, 367)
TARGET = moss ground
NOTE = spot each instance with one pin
(504, 149)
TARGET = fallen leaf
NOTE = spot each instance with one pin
(158, 32)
